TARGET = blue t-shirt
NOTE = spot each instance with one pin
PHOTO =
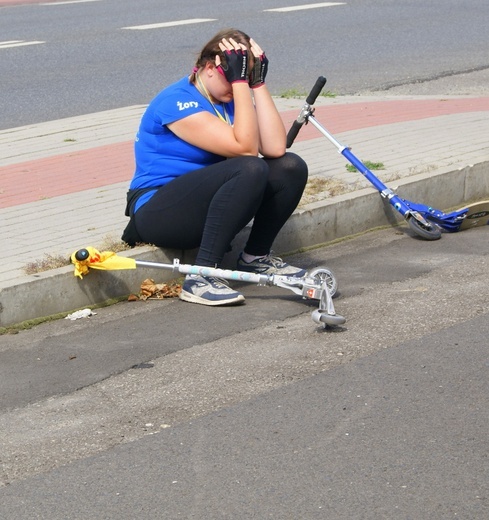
(160, 155)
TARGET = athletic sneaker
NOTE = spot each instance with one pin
(270, 265)
(209, 290)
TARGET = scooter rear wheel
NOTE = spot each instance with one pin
(430, 232)
(321, 274)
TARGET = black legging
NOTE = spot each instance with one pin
(206, 208)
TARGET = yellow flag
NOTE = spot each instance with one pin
(106, 260)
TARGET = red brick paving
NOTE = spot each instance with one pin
(68, 173)
(355, 116)
(105, 165)
(10, 3)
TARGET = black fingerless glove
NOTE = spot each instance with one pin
(236, 66)
(260, 69)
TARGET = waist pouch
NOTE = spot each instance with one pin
(130, 235)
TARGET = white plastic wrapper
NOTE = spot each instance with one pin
(84, 313)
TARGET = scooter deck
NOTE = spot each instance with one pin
(477, 215)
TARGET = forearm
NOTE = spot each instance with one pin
(245, 125)
(270, 125)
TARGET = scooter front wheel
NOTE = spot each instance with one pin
(327, 319)
(428, 232)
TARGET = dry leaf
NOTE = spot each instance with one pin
(158, 291)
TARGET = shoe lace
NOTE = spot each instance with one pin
(218, 282)
(275, 261)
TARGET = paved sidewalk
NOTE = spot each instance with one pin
(63, 183)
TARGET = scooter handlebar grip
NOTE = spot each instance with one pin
(316, 90)
(310, 100)
(292, 133)
(82, 254)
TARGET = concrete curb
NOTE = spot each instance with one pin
(58, 291)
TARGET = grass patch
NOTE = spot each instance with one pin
(369, 164)
(295, 93)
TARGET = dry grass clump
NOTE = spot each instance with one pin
(320, 188)
(47, 263)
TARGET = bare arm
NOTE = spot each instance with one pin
(257, 126)
(270, 126)
(208, 132)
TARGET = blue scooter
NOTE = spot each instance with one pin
(425, 221)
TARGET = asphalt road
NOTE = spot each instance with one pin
(257, 412)
(89, 61)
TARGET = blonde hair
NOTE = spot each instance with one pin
(211, 49)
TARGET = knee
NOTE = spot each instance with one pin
(296, 165)
(255, 170)
(255, 165)
(292, 170)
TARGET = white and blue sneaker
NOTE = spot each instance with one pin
(270, 264)
(209, 290)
